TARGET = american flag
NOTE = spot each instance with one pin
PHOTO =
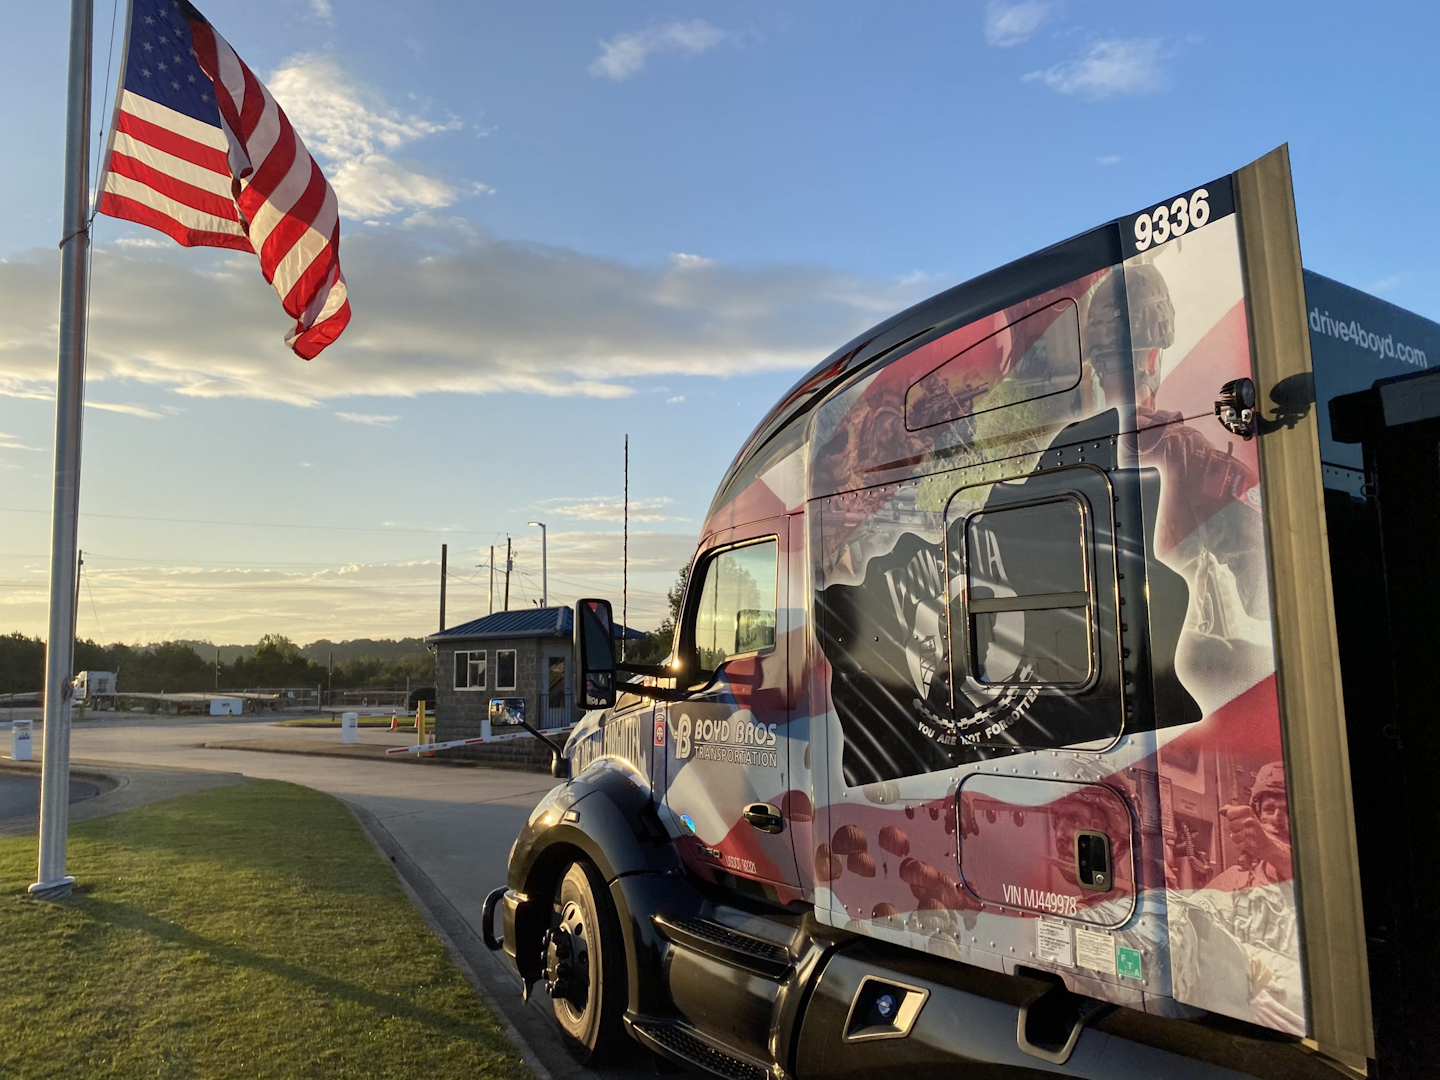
(201, 151)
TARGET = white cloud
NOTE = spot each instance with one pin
(354, 132)
(1383, 285)
(676, 400)
(608, 509)
(12, 442)
(142, 411)
(374, 186)
(1109, 69)
(1108, 159)
(625, 54)
(340, 119)
(373, 419)
(322, 10)
(436, 309)
(1009, 24)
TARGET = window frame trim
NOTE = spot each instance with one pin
(1035, 601)
(685, 633)
(469, 653)
(1079, 375)
(515, 676)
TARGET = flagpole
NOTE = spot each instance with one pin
(52, 882)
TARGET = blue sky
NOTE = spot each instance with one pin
(567, 221)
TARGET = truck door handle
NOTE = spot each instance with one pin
(764, 817)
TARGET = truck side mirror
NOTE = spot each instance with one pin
(754, 630)
(507, 712)
(595, 653)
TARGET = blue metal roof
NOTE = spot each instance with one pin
(533, 622)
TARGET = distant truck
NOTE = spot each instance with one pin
(95, 689)
(1049, 695)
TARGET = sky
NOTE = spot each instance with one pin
(567, 222)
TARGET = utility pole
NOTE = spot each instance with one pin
(51, 880)
(330, 677)
(544, 564)
(75, 621)
(444, 555)
(217, 669)
(492, 579)
(508, 565)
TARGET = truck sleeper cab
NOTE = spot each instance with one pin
(989, 735)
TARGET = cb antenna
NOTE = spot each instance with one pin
(625, 558)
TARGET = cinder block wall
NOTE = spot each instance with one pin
(458, 713)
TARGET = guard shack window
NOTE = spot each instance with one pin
(1029, 591)
(470, 670)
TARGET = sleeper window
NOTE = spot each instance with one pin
(1029, 595)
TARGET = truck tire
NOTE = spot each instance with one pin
(585, 966)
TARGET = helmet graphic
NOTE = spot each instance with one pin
(1113, 344)
(1270, 780)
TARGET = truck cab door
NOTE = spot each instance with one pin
(727, 760)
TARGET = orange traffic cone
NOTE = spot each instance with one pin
(394, 720)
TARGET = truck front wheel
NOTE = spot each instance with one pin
(585, 965)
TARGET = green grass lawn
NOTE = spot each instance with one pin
(407, 723)
(247, 931)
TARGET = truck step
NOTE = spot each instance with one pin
(726, 945)
(677, 1040)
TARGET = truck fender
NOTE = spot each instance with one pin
(604, 815)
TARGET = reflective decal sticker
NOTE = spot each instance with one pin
(1095, 950)
(1054, 942)
(1127, 961)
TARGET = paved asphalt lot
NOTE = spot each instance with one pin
(456, 824)
(20, 795)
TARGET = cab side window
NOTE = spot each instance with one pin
(735, 613)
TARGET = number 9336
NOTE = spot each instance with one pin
(1172, 219)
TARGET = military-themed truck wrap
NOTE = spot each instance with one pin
(996, 728)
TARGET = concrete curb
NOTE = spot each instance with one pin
(83, 772)
(462, 943)
(370, 752)
(119, 789)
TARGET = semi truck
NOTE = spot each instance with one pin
(1047, 697)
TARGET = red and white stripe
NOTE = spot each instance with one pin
(248, 184)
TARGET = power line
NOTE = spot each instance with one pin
(264, 524)
(90, 589)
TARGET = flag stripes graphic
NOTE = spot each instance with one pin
(202, 152)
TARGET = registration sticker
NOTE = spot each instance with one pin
(659, 732)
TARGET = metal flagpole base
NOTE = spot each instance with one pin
(52, 890)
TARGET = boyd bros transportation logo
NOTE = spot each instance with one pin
(736, 739)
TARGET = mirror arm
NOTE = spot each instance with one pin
(659, 693)
(657, 671)
(557, 752)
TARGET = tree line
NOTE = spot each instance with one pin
(177, 667)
